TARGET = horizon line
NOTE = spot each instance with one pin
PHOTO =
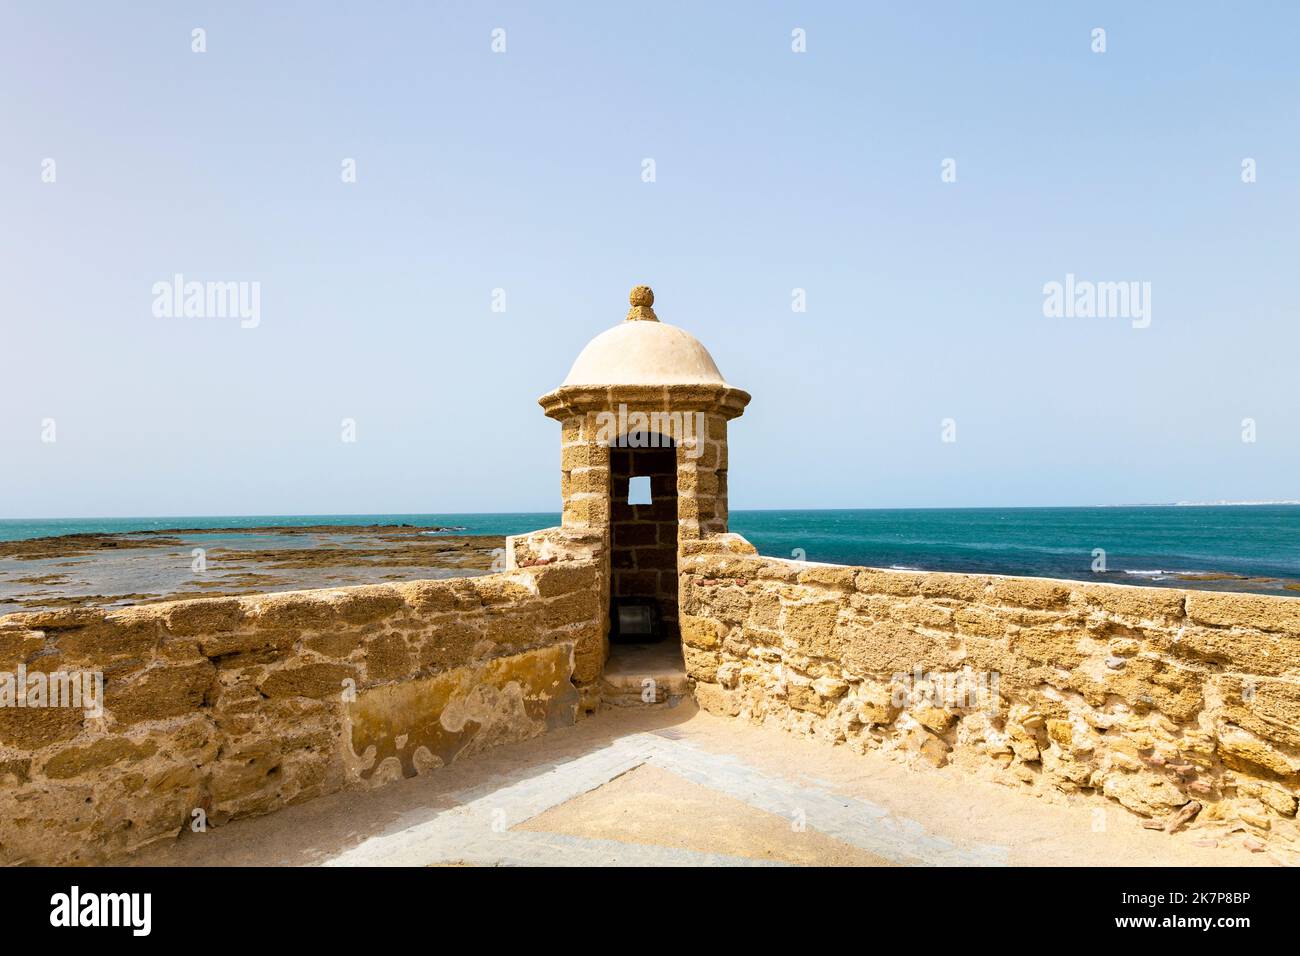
(453, 514)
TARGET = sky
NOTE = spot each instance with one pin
(524, 171)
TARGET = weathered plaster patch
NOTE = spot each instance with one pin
(401, 730)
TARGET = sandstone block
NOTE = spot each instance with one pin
(1242, 751)
(516, 625)
(1268, 708)
(1163, 605)
(168, 690)
(1261, 612)
(18, 645)
(701, 632)
(572, 608)
(31, 728)
(388, 657)
(574, 456)
(74, 761)
(804, 697)
(367, 605)
(118, 635)
(1278, 800)
(1026, 748)
(936, 719)
(828, 576)
(811, 627)
(885, 648)
(588, 663)
(430, 597)
(1241, 649)
(729, 604)
(203, 617)
(15, 770)
(1062, 732)
(832, 688)
(335, 643)
(980, 621)
(1146, 682)
(701, 665)
(315, 680)
(957, 587)
(898, 583)
(924, 614)
(554, 580)
(716, 700)
(876, 705)
(1050, 645)
(930, 748)
(293, 610)
(510, 588)
(1028, 592)
(1143, 793)
(765, 610)
(449, 642)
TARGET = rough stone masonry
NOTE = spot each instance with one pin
(229, 707)
(1147, 698)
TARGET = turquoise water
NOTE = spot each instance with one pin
(1142, 544)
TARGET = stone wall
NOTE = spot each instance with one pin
(590, 636)
(233, 707)
(1149, 698)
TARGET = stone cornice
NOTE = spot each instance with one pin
(569, 400)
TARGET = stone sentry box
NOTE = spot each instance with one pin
(644, 398)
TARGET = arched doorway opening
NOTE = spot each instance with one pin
(645, 663)
(643, 539)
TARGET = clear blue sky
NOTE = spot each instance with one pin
(522, 171)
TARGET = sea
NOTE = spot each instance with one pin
(1257, 545)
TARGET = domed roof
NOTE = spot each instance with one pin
(644, 351)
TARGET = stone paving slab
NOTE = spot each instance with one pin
(481, 829)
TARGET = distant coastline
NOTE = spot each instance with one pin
(81, 570)
(1234, 504)
(1229, 547)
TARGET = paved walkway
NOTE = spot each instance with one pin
(673, 786)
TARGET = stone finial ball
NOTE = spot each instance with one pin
(641, 295)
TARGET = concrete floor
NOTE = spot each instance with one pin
(671, 786)
(638, 674)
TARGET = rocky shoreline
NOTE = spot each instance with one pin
(114, 570)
